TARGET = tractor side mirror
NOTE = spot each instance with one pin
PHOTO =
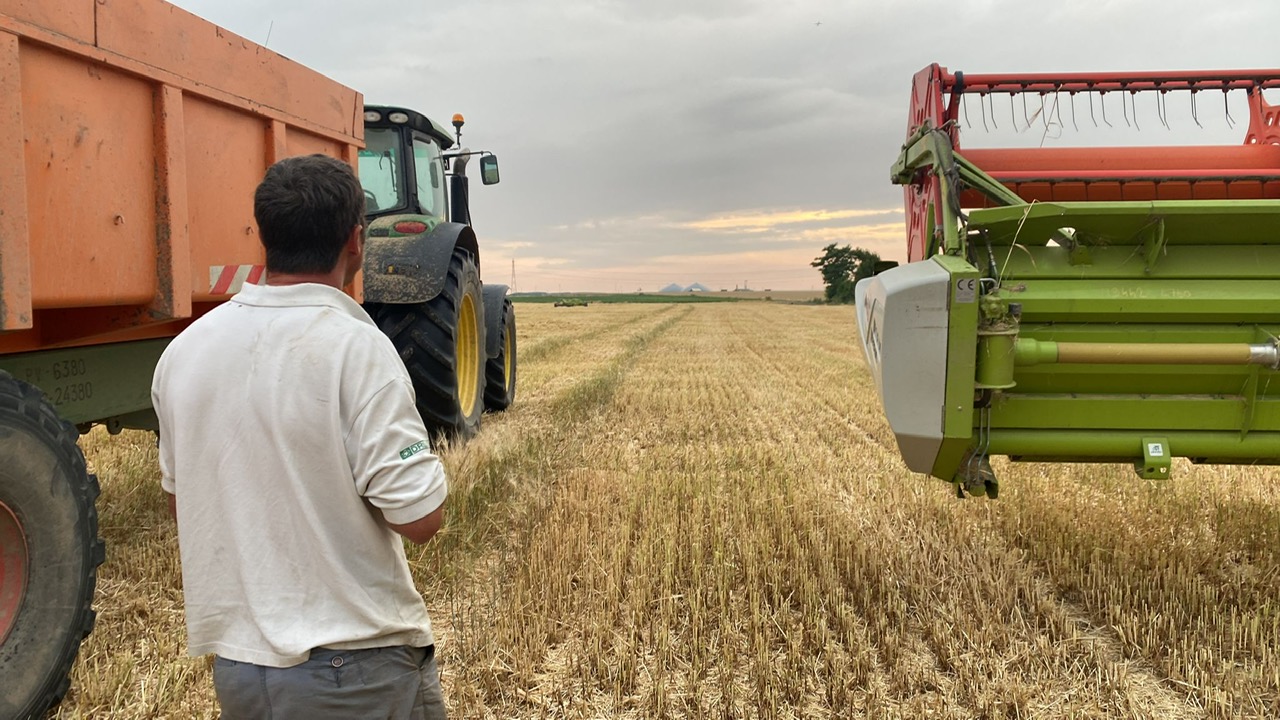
(489, 169)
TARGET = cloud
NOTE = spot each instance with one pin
(765, 221)
(510, 244)
(723, 131)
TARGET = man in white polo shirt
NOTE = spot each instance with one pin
(295, 461)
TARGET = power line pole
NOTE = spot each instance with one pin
(513, 274)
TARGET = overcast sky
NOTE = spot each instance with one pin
(722, 141)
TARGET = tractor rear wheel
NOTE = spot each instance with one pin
(500, 370)
(441, 343)
(49, 551)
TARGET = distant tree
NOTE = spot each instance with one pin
(842, 267)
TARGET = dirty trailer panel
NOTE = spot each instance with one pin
(132, 135)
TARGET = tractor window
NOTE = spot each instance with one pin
(430, 176)
(381, 171)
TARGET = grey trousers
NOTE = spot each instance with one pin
(391, 683)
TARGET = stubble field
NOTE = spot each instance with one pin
(698, 511)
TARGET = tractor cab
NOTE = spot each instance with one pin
(421, 274)
(410, 165)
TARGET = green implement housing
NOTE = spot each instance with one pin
(1080, 304)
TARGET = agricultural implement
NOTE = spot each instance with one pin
(1081, 304)
(132, 137)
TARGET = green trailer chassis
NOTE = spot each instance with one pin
(108, 384)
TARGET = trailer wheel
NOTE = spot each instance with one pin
(500, 370)
(49, 551)
(441, 343)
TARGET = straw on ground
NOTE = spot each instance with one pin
(698, 511)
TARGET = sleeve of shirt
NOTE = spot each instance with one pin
(391, 457)
(165, 448)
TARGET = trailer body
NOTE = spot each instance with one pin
(131, 138)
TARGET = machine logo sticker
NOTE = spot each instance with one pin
(873, 331)
(966, 290)
(413, 449)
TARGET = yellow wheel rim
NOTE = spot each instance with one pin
(468, 356)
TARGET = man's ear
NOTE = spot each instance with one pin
(355, 241)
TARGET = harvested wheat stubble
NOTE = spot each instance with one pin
(698, 511)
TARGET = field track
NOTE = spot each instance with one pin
(697, 511)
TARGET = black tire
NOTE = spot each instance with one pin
(441, 343)
(500, 370)
(46, 501)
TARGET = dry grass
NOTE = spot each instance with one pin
(697, 511)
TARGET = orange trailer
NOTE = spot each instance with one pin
(132, 136)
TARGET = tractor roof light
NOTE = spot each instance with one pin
(398, 117)
(372, 116)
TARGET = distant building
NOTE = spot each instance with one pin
(674, 288)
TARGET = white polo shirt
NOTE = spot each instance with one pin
(288, 433)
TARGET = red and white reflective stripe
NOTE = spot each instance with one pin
(228, 279)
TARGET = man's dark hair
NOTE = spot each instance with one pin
(306, 207)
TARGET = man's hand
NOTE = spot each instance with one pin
(423, 529)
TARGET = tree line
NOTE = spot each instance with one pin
(842, 267)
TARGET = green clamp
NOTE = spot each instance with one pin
(1157, 461)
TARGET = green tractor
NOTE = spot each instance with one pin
(456, 336)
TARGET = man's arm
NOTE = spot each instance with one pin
(392, 463)
(421, 530)
(173, 505)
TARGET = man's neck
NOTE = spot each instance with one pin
(333, 278)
